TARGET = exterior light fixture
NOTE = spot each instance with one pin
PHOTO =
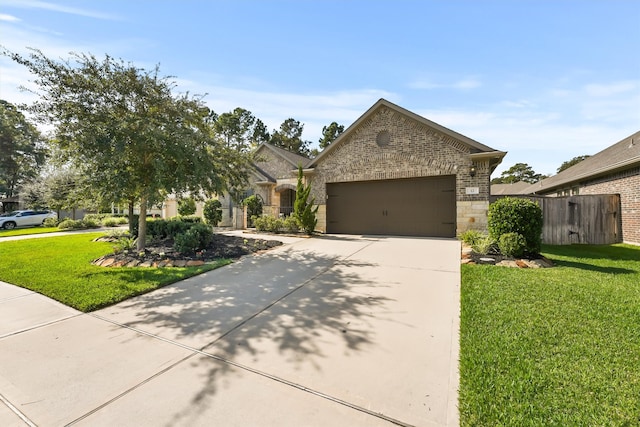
(472, 170)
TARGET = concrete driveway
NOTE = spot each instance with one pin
(335, 330)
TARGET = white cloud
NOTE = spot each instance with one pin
(616, 88)
(36, 4)
(463, 84)
(8, 18)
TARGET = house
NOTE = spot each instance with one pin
(391, 172)
(397, 173)
(614, 170)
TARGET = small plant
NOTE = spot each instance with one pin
(484, 245)
(110, 222)
(118, 233)
(291, 224)
(125, 244)
(51, 222)
(212, 212)
(512, 244)
(470, 237)
(268, 223)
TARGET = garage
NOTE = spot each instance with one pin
(403, 207)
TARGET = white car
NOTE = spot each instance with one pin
(25, 218)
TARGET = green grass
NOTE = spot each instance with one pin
(25, 231)
(553, 347)
(60, 268)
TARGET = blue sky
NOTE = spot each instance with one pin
(544, 80)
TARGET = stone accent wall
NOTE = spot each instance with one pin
(412, 150)
(627, 184)
(472, 215)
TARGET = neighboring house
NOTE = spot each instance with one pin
(509, 189)
(394, 172)
(614, 170)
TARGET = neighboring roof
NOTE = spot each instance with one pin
(475, 146)
(509, 189)
(293, 158)
(620, 156)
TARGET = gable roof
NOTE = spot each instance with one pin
(293, 158)
(622, 155)
(475, 146)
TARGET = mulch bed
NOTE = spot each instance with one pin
(160, 253)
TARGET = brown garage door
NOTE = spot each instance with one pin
(402, 207)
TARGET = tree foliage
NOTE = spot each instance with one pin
(303, 209)
(241, 130)
(518, 172)
(186, 206)
(574, 161)
(289, 137)
(329, 134)
(124, 129)
(212, 212)
(23, 149)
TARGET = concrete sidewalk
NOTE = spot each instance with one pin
(335, 330)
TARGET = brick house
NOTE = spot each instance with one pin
(391, 172)
(614, 170)
(395, 172)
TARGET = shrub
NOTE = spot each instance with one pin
(97, 216)
(484, 245)
(186, 206)
(522, 216)
(303, 208)
(89, 223)
(195, 238)
(254, 206)
(470, 237)
(176, 226)
(291, 224)
(268, 223)
(110, 222)
(51, 222)
(212, 212)
(512, 244)
(191, 219)
(157, 228)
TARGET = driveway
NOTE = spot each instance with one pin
(335, 330)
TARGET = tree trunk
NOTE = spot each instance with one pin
(131, 217)
(142, 224)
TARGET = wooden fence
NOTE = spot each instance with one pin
(591, 219)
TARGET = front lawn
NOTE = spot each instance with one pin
(29, 230)
(60, 268)
(558, 346)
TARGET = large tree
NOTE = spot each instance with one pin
(518, 172)
(240, 129)
(23, 149)
(289, 137)
(569, 163)
(127, 132)
(329, 134)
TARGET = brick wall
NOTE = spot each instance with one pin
(274, 165)
(627, 184)
(412, 150)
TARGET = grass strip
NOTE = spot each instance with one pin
(558, 346)
(60, 268)
(27, 231)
